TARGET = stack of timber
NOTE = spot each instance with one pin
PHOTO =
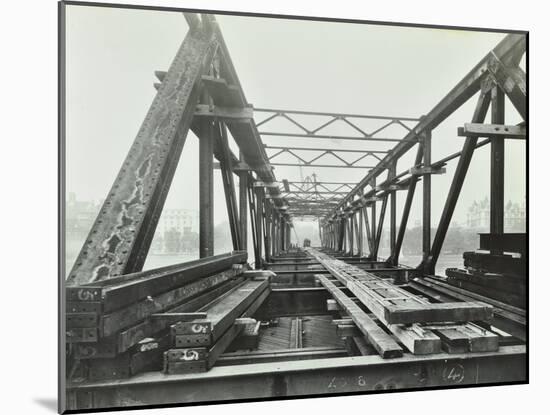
(197, 344)
(390, 318)
(498, 271)
(119, 327)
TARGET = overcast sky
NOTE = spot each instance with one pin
(319, 66)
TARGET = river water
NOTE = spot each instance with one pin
(157, 261)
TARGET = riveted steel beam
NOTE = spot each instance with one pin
(122, 233)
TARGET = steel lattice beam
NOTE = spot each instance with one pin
(509, 48)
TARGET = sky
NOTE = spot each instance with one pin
(283, 64)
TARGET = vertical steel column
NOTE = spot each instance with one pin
(253, 217)
(360, 232)
(243, 202)
(346, 234)
(380, 226)
(351, 232)
(368, 229)
(373, 224)
(267, 238)
(406, 209)
(497, 164)
(287, 234)
(283, 234)
(426, 196)
(206, 191)
(341, 233)
(273, 220)
(482, 107)
(393, 210)
(229, 187)
(275, 233)
(259, 223)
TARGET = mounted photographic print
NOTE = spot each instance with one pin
(257, 207)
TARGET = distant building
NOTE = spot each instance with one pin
(181, 220)
(478, 215)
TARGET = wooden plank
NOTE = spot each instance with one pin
(507, 320)
(363, 346)
(382, 342)
(455, 312)
(395, 305)
(467, 295)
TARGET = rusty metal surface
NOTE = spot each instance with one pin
(121, 235)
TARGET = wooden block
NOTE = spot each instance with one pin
(363, 346)
(453, 341)
(481, 340)
(248, 339)
(437, 312)
(332, 305)
(347, 330)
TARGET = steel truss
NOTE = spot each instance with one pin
(497, 75)
(201, 92)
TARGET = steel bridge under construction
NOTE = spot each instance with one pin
(302, 320)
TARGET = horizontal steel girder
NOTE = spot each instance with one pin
(307, 377)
